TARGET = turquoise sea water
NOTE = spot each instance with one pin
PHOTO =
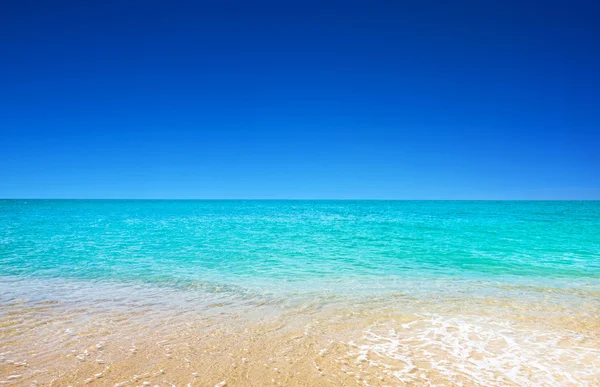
(304, 247)
(417, 293)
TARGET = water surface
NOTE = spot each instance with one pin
(494, 271)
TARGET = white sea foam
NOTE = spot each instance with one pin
(473, 350)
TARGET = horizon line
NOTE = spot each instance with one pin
(306, 199)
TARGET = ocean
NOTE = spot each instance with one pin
(261, 292)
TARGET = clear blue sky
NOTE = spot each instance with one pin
(303, 99)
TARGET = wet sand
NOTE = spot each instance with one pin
(402, 342)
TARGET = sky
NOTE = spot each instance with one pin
(300, 99)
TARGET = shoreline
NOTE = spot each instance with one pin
(469, 342)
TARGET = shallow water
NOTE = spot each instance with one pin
(299, 293)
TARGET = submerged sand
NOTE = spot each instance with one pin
(393, 342)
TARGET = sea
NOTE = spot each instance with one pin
(268, 292)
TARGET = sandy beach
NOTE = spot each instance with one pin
(476, 342)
